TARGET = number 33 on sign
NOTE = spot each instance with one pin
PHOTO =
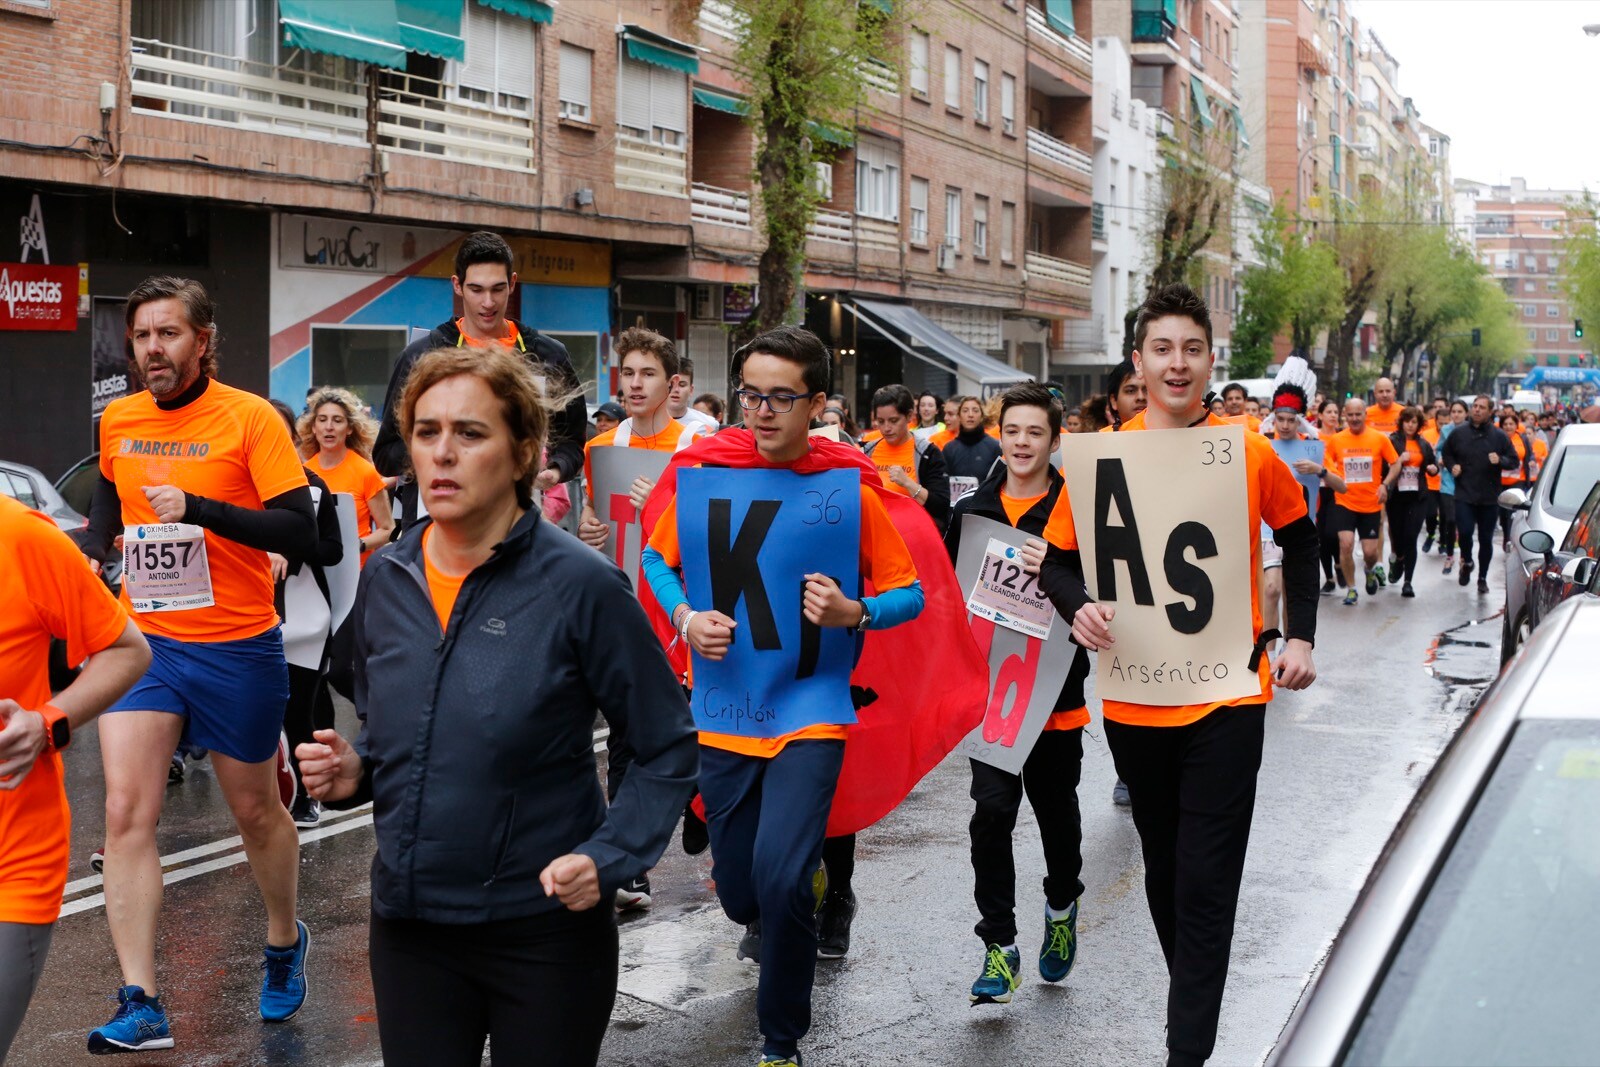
(1007, 595)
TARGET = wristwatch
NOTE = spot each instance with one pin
(866, 618)
(58, 731)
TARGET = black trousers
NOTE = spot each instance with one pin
(839, 856)
(1194, 791)
(1050, 778)
(1447, 521)
(1479, 517)
(540, 989)
(1405, 526)
(308, 708)
(1327, 536)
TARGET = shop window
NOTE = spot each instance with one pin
(358, 358)
(584, 350)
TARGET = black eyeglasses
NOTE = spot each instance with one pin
(779, 403)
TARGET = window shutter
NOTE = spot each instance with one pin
(478, 30)
(577, 67)
(514, 56)
(919, 62)
(669, 99)
(633, 94)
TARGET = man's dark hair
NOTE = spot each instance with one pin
(895, 396)
(641, 339)
(1033, 395)
(1176, 299)
(482, 246)
(796, 344)
(198, 310)
(1233, 387)
(1119, 374)
(686, 368)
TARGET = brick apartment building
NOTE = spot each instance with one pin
(314, 166)
(1516, 232)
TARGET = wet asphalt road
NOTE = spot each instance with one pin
(1341, 762)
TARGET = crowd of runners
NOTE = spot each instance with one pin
(484, 639)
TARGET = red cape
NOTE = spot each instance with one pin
(929, 679)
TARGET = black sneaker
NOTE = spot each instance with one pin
(1372, 583)
(1119, 795)
(306, 812)
(1406, 590)
(175, 770)
(838, 912)
(1483, 584)
(634, 895)
(696, 836)
(1427, 543)
(1327, 587)
(1464, 575)
(749, 948)
(1338, 576)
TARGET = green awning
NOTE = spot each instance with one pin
(532, 10)
(1338, 154)
(1059, 14)
(1202, 104)
(886, 6)
(716, 101)
(432, 27)
(647, 46)
(1168, 9)
(368, 31)
(831, 134)
(1238, 122)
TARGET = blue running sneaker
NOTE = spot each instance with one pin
(139, 1025)
(283, 989)
(1060, 946)
(1001, 976)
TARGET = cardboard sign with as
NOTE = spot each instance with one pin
(1162, 521)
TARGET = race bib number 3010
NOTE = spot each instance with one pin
(164, 567)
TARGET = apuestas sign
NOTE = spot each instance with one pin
(36, 296)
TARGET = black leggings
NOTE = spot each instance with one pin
(308, 708)
(540, 989)
(1479, 518)
(1327, 536)
(1447, 522)
(1405, 526)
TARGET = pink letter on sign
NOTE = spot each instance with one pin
(1016, 673)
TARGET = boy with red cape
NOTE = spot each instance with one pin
(770, 801)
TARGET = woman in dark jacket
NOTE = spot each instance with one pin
(485, 641)
(1406, 504)
(971, 454)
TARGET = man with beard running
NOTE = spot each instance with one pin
(1475, 453)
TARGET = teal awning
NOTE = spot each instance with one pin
(432, 27)
(1238, 122)
(647, 46)
(1338, 154)
(532, 10)
(886, 6)
(1059, 14)
(368, 31)
(1202, 104)
(716, 101)
(1168, 9)
(831, 134)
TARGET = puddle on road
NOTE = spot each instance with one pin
(1466, 655)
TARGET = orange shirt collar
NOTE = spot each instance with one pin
(512, 338)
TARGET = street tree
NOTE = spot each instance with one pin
(801, 62)
(1580, 260)
(1362, 236)
(1468, 368)
(1297, 285)
(1430, 284)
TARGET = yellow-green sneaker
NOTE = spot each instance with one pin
(1002, 972)
(780, 1061)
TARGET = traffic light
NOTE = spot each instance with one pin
(1577, 327)
(1477, 337)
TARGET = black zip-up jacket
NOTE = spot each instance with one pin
(546, 354)
(985, 501)
(1469, 445)
(971, 455)
(478, 745)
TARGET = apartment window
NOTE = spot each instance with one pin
(980, 91)
(1531, 262)
(1528, 311)
(952, 77)
(952, 217)
(1551, 311)
(1008, 230)
(980, 226)
(1551, 287)
(652, 102)
(919, 62)
(919, 211)
(877, 181)
(499, 69)
(1529, 286)
(1008, 103)
(1552, 335)
(1533, 335)
(1552, 263)
(1111, 195)
(822, 180)
(577, 69)
(361, 358)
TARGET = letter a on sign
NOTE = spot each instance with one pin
(749, 538)
(1180, 531)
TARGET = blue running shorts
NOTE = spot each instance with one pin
(231, 694)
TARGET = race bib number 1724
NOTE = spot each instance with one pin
(164, 567)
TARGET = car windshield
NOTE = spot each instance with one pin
(1499, 965)
(1575, 475)
(77, 485)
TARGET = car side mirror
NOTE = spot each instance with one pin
(1535, 541)
(1579, 570)
(1514, 500)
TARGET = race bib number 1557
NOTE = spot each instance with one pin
(164, 567)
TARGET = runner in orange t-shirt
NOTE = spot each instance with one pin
(1361, 455)
(908, 466)
(1191, 770)
(338, 433)
(45, 591)
(207, 482)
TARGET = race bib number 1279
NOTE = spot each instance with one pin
(164, 567)
(1007, 595)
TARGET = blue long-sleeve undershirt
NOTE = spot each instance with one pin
(889, 608)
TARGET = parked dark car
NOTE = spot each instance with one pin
(1474, 940)
(77, 489)
(1572, 569)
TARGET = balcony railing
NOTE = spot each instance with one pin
(199, 86)
(646, 167)
(1057, 151)
(415, 117)
(725, 207)
(1161, 124)
(1075, 47)
(720, 18)
(832, 226)
(877, 233)
(1049, 268)
(880, 76)
(1097, 221)
(1152, 26)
